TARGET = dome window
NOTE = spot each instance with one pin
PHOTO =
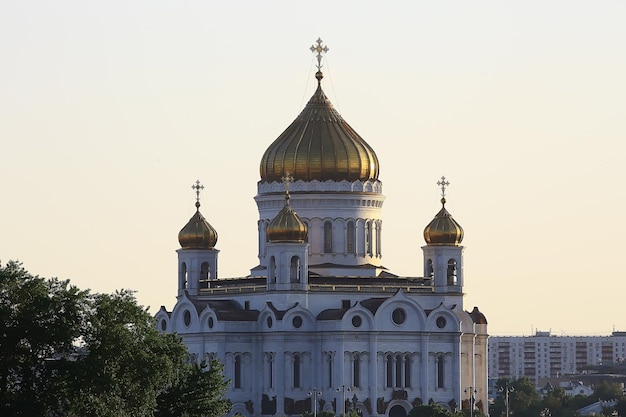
(187, 318)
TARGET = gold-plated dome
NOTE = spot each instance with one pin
(287, 226)
(443, 229)
(197, 233)
(320, 145)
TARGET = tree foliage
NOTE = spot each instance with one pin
(68, 352)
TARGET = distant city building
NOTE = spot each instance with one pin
(320, 323)
(545, 356)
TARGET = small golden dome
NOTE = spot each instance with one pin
(320, 145)
(443, 230)
(287, 226)
(197, 233)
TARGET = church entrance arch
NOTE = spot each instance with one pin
(397, 411)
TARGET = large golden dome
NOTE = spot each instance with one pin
(286, 226)
(443, 229)
(197, 233)
(319, 145)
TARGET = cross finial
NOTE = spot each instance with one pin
(443, 184)
(287, 179)
(197, 187)
(319, 49)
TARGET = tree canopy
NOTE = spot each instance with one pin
(65, 351)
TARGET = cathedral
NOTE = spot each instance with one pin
(320, 324)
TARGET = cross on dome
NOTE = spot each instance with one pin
(319, 49)
(287, 179)
(443, 184)
(197, 187)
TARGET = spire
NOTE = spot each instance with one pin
(443, 184)
(319, 50)
(287, 226)
(443, 229)
(197, 187)
(197, 233)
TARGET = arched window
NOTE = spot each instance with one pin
(389, 371)
(328, 237)
(452, 272)
(294, 270)
(270, 369)
(398, 371)
(350, 237)
(356, 371)
(407, 371)
(296, 371)
(429, 268)
(440, 371)
(379, 233)
(272, 271)
(368, 238)
(237, 376)
(204, 275)
(330, 370)
(183, 275)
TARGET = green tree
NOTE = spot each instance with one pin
(66, 352)
(41, 319)
(524, 400)
(195, 392)
(608, 391)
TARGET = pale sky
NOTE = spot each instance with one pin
(109, 111)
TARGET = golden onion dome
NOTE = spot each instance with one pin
(197, 233)
(287, 226)
(320, 145)
(443, 230)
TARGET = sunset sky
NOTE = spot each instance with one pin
(111, 110)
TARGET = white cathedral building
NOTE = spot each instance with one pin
(320, 323)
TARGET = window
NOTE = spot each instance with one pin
(440, 371)
(350, 238)
(183, 275)
(429, 268)
(237, 376)
(330, 370)
(399, 371)
(204, 275)
(270, 369)
(368, 238)
(389, 371)
(356, 371)
(379, 232)
(294, 270)
(296, 371)
(407, 371)
(452, 272)
(328, 237)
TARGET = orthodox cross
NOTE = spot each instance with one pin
(287, 179)
(319, 49)
(197, 187)
(443, 184)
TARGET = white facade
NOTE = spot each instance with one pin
(320, 316)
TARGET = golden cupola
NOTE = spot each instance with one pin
(443, 230)
(287, 226)
(197, 233)
(319, 144)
